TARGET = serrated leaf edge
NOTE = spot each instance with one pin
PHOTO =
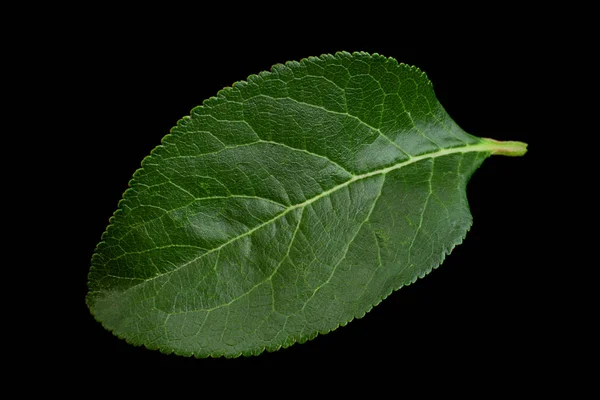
(206, 102)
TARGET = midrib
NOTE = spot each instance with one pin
(478, 147)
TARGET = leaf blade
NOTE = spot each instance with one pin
(287, 259)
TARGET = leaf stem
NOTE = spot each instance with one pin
(508, 148)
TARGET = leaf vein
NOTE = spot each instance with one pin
(479, 147)
(377, 130)
(421, 217)
(347, 248)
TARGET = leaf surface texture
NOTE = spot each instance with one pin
(285, 207)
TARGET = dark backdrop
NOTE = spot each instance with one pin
(482, 307)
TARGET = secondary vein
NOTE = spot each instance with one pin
(479, 147)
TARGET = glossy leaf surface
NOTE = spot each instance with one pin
(285, 207)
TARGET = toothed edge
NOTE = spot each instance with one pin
(294, 339)
(222, 95)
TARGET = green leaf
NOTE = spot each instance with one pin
(286, 206)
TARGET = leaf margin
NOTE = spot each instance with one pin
(495, 147)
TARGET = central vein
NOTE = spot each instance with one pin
(479, 147)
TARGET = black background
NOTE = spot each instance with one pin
(129, 78)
